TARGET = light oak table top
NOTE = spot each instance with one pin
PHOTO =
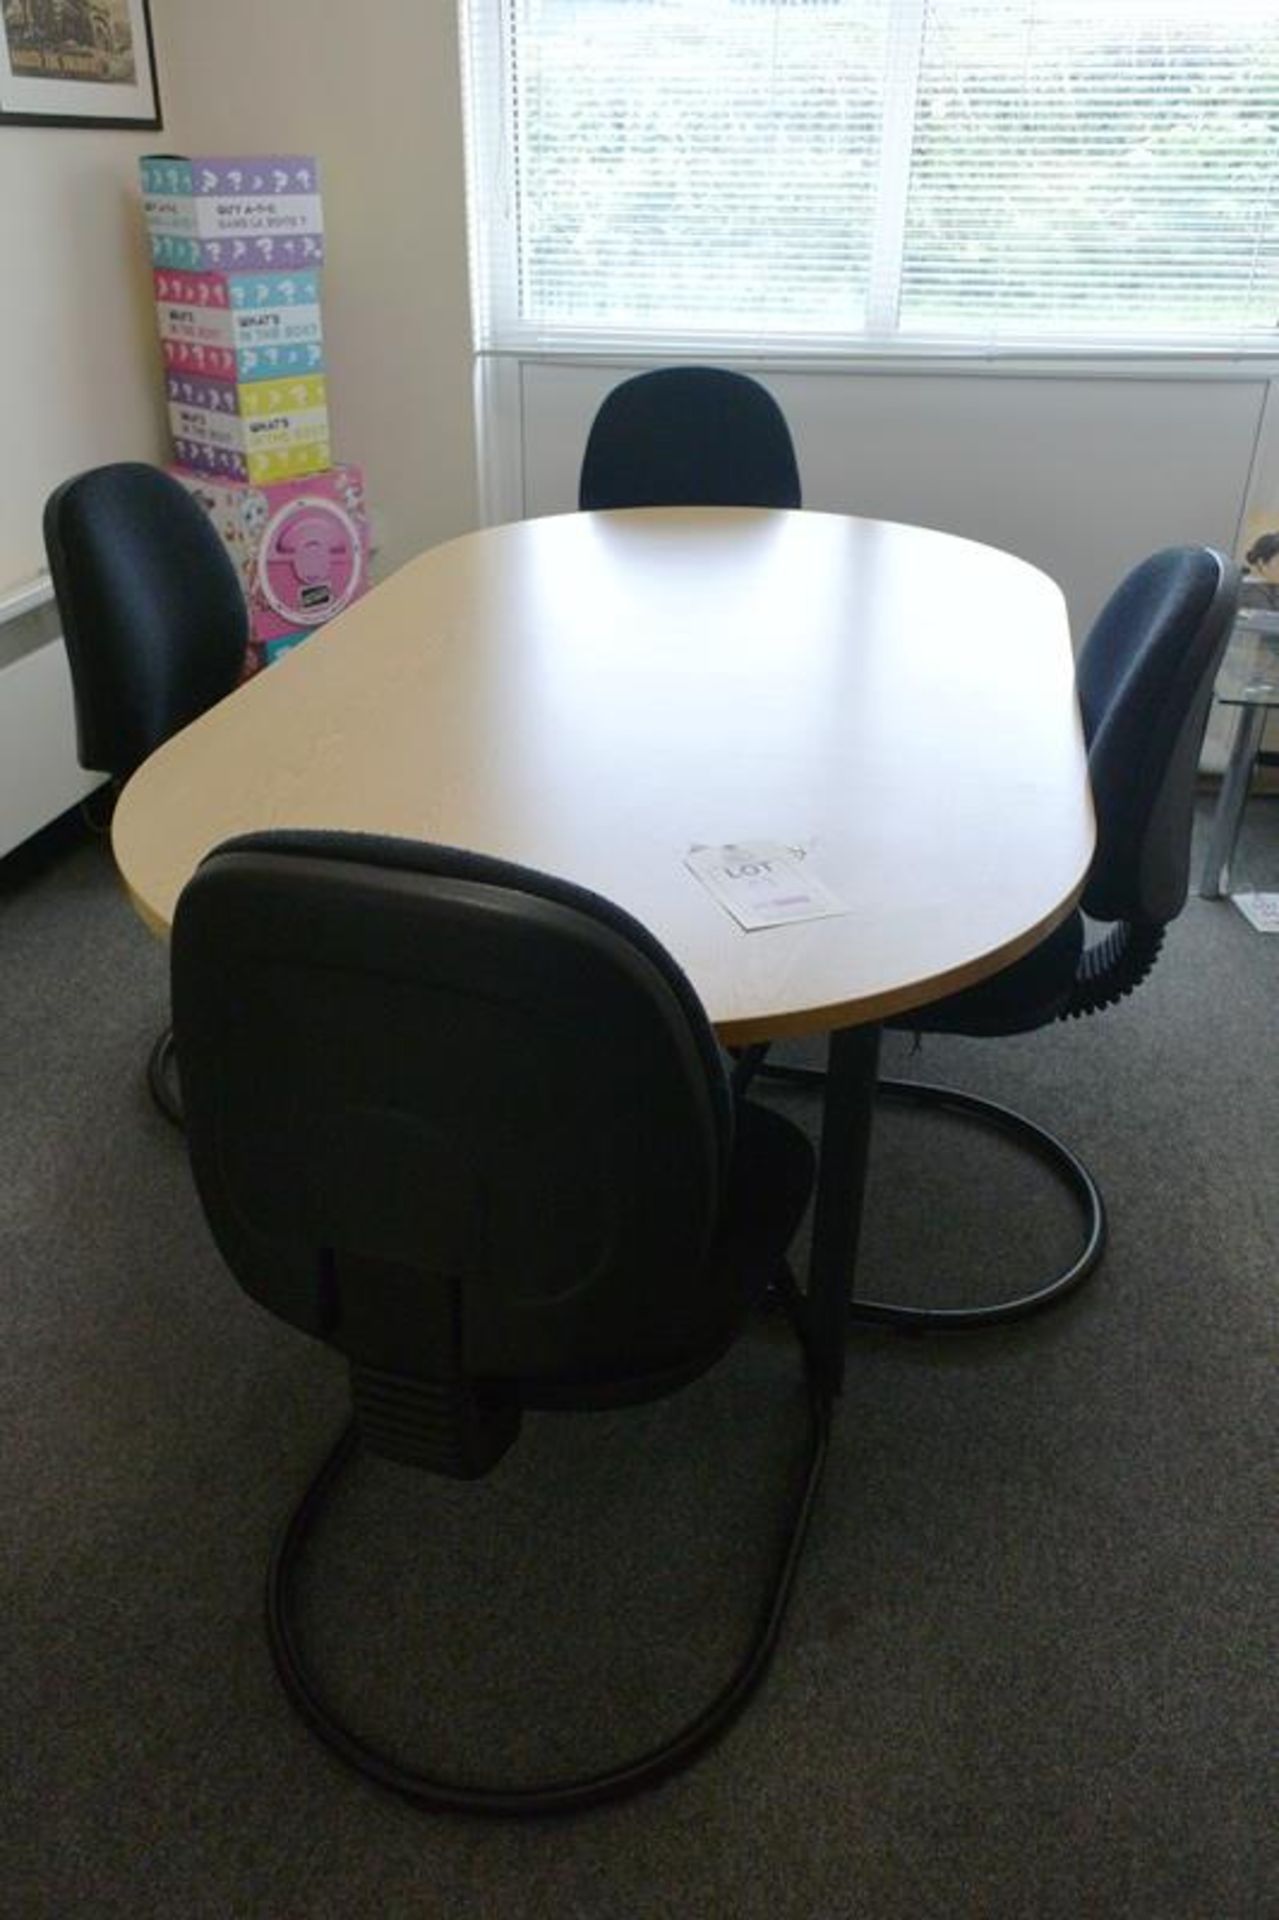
(596, 694)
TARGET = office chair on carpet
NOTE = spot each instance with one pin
(1145, 678)
(469, 1125)
(155, 624)
(689, 437)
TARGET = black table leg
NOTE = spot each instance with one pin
(847, 1113)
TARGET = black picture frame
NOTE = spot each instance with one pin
(56, 61)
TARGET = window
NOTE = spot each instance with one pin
(840, 174)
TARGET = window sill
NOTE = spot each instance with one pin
(1094, 362)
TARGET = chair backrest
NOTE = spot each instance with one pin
(689, 437)
(466, 1123)
(152, 609)
(1145, 678)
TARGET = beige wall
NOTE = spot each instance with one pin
(375, 95)
(373, 90)
(79, 378)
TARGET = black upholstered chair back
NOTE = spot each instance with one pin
(464, 1122)
(689, 437)
(152, 609)
(1145, 678)
(469, 1125)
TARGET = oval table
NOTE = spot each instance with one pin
(597, 694)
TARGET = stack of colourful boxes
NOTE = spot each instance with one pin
(236, 248)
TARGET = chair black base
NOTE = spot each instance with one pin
(1054, 1154)
(561, 1796)
(162, 1079)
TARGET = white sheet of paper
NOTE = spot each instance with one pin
(763, 884)
(1261, 910)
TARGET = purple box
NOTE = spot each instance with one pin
(223, 211)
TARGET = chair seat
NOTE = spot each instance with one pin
(769, 1183)
(1019, 999)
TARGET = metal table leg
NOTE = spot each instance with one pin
(847, 1114)
(1230, 802)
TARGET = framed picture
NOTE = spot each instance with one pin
(77, 63)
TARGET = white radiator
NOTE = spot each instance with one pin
(39, 774)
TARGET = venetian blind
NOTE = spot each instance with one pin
(844, 173)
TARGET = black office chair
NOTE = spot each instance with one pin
(155, 624)
(689, 437)
(1145, 678)
(469, 1125)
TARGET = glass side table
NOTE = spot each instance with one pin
(1249, 682)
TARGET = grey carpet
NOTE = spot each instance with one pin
(1028, 1669)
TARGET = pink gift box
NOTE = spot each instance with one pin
(301, 546)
